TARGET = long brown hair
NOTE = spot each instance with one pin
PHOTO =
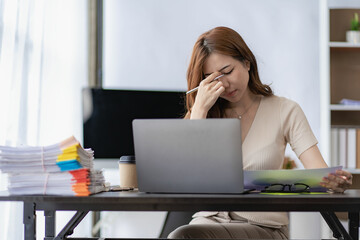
(228, 42)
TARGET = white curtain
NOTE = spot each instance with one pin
(43, 67)
(20, 73)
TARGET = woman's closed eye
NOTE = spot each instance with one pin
(227, 73)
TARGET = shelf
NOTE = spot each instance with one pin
(353, 170)
(339, 107)
(344, 126)
(334, 4)
(344, 45)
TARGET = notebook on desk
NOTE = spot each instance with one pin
(188, 156)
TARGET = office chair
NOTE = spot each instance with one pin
(174, 220)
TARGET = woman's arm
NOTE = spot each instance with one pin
(312, 158)
(338, 182)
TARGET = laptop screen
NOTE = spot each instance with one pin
(188, 156)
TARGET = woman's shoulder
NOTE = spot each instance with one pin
(288, 110)
(279, 101)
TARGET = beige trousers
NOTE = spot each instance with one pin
(210, 228)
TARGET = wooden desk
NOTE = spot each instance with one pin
(326, 204)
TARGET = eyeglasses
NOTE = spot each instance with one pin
(287, 188)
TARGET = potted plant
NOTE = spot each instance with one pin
(353, 35)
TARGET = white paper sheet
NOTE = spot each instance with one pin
(312, 177)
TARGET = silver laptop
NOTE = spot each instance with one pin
(188, 156)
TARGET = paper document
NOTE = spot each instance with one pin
(65, 168)
(311, 177)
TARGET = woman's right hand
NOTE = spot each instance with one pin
(209, 91)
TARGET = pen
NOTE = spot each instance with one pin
(195, 89)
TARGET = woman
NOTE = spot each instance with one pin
(268, 123)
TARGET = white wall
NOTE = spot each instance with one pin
(147, 45)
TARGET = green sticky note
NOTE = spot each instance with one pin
(282, 193)
(288, 193)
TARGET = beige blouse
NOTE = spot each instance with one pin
(278, 121)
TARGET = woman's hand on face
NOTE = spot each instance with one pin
(209, 91)
(338, 182)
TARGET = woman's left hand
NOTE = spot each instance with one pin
(337, 182)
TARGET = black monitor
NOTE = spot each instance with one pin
(108, 115)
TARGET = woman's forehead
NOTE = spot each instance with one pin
(217, 62)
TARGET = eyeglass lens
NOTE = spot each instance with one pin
(297, 187)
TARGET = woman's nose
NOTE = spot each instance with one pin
(225, 82)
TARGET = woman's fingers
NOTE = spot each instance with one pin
(219, 88)
(344, 179)
(331, 185)
(208, 93)
(210, 78)
(347, 175)
(209, 84)
(337, 182)
(215, 85)
(212, 84)
(211, 87)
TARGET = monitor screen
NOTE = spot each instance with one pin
(108, 115)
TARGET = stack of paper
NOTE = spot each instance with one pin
(259, 179)
(60, 169)
(346, 101)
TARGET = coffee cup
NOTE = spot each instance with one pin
(127, 171)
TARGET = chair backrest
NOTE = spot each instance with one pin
(174, 220)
